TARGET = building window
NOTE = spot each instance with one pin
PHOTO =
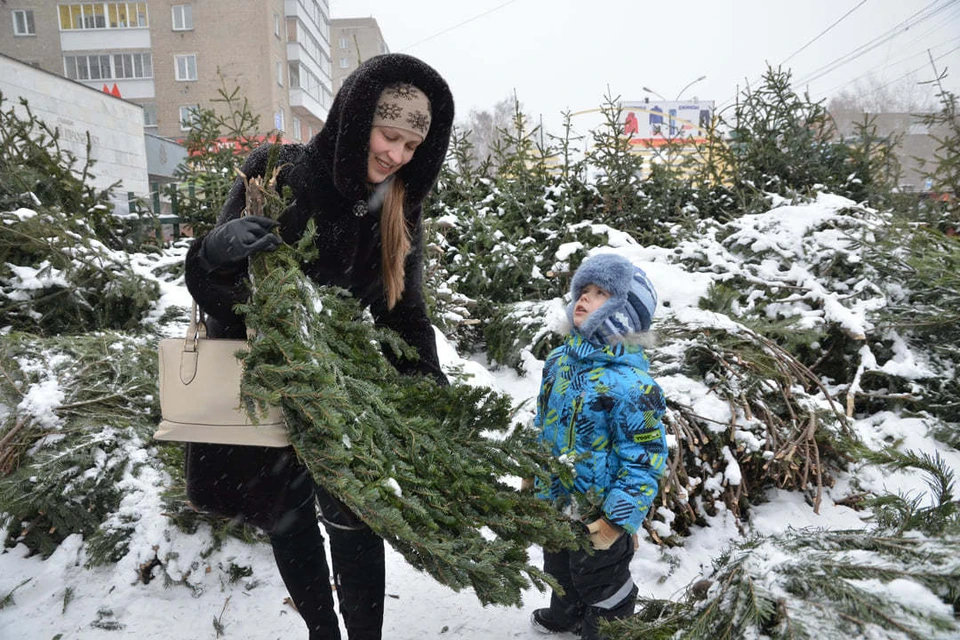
(296, 129)
(93, 67)
(119, 66)
(132, 65)
(23, 23)
(103, 15)
(279, 72)
(182, 17)
(278, 120)
(188, 115)
(186, 67)
(344, 43)
(149, 114)
(276, 24)
(344, 63)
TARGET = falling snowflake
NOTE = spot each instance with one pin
(389, 110)
(419, 121)
(405, 91)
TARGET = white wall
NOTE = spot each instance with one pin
(115, 125)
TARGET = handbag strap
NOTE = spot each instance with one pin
(198, 324)
(197, 329)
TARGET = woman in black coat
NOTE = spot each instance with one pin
(362, 180)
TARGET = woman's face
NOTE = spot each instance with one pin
(390, 149)
(591, 299)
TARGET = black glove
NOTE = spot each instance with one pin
(230, 244)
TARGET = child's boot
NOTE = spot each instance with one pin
(560, 617)
(590, 629)
(546, 621)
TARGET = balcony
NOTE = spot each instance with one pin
(303, 104)
(104, 40)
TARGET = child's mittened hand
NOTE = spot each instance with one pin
(603, 534)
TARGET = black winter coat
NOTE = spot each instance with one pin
(327, 178)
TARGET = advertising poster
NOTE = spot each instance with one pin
(656, 123)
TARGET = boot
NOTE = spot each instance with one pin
(547, 621)
(590, 629)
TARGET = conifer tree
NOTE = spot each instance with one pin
(782, 142)
(619, 174)
(60, 267)
(56, 277)
(219, 138)
(944, 171)
(35, 171)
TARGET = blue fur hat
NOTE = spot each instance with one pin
(632, 298)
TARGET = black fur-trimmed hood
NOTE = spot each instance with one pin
(343, 143)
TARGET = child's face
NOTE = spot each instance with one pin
(591, 299)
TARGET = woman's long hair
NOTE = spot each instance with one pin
(395, 242)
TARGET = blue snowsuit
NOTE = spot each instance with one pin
(599, 405)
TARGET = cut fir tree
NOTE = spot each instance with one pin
(423, 465)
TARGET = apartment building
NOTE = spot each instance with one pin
(354, 40)
(173, 56)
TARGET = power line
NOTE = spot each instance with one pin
(920, 16)
(897, 62)
(810, 42)
(458, 25)
(822, 33)
(914, 19)
(880, 88)
(946, 22)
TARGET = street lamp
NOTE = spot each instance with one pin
(649, 90)
(689, 85)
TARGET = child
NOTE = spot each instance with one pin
(599, 406)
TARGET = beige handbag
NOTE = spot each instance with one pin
(200, 393)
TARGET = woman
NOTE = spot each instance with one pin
(362, 180)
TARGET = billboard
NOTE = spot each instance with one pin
(653, 124)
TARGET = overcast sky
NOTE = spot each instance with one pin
(563, 54)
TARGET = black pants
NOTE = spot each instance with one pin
(596, 586)
(358, 569)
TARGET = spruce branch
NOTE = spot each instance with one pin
(8, 600)
(423, 465)
(934, 516)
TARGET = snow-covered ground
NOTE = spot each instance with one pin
(59, 598)
(254, 608)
